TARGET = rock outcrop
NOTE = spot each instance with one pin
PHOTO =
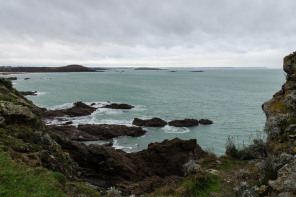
(79, 109)
(280, 127)
(92, 132)
(205, 121)
(153, 122)
(29, 93)
(135, 173)
(118, 106)
(184, 123)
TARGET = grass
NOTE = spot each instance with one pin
(19, 180)
(199, 185)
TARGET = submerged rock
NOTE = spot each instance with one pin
(184, 123)
(118, 106)
(154, 122)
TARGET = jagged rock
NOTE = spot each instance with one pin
(285, 183)
(95, 132)
(154, 122)
(118, 106)
(79, 109)
(105, 166)
(205, 121)
(72, 133)
(184, 123)
(105, 131)
(16, 113)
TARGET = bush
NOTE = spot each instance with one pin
(59, 177)
(191, 167)
(6, 83)
(257, 150)
(113, 192)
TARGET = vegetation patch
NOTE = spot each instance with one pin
(17, 179)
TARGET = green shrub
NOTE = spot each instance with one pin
(59, 177)
(6, 83)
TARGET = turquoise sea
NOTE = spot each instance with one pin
(231, 98)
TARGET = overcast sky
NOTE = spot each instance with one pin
(156, 33)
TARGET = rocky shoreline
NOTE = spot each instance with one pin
(170, 168)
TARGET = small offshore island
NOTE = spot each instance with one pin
(41, 160)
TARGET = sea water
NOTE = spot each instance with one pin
(231, 98)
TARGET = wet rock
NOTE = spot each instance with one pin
(105, 131)
(11, 78)
(72, 133)
(79, 109)
(92, 132)
(118, 106)
(184, 123)
(154, 122)
(27, 78)
(31, 93)
(205, 121)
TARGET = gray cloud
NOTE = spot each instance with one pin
(156, 33)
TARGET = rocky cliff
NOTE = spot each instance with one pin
(281, 132)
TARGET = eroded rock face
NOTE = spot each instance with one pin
(105, 166)
(154, 122)
(79, 109)
(280, 128)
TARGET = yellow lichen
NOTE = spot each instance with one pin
(278, 104)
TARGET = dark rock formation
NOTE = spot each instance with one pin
(11, 78)
(184, 123)
(95, 132)
(105, 131)
(118, 106)
(154, 122)
(27, 78)
(79, 109)
(135, 173)
(31, 93)
(205, 121)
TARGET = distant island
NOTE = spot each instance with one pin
(147, 68)
(69, 68)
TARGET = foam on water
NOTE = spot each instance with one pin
(170, 129)
(127, 149)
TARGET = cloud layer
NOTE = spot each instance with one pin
(150, 33)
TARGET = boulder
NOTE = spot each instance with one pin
(184, 123)
(79, 109)
(118, 106)
(205, 121)
(154, 122)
